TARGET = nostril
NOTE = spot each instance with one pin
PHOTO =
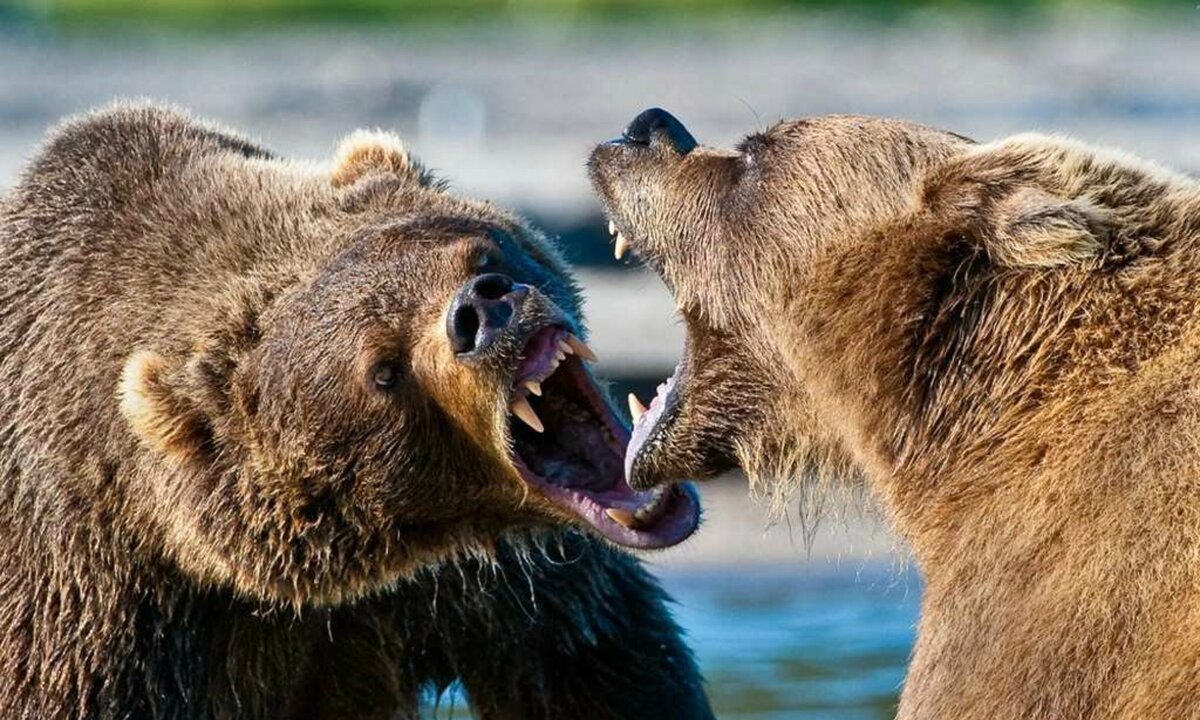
(464, 325)
(481, 312)
(492, 286)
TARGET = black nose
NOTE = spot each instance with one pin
(481, 311)
(657, 124)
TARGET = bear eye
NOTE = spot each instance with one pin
(385, 375)
(488, 260)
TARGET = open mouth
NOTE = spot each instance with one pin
(569, 445)
(649, 423)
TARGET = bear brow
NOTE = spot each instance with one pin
(444, 228)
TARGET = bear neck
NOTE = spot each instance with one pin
(1032, 435)
(963, 387)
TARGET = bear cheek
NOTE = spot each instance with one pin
(470, 396)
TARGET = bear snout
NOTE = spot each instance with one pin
(657, 125)
(482, 311)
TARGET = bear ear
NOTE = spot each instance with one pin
(1032, 228)
(369, 152)
(157, 412)
(999, 199)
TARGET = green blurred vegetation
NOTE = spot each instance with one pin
(201, 14)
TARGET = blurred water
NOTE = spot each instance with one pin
(785, 641)
(791, 641)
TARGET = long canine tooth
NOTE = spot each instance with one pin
(612, 228)
(636, 408)
(622, 516)
(534, 386)
(581, 349)
(524, 411)
(621, 247)
(565, 348)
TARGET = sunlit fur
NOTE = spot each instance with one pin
(1002, 339)
(210, 510)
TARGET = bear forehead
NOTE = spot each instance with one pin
(861, 130)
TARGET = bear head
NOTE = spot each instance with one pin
(349, 372)
(863, 294)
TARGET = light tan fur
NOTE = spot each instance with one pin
(366, 152)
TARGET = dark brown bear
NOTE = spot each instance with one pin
(1002, 339)
(257, 457)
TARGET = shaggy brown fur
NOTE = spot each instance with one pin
(1004, 339)
(212, 509)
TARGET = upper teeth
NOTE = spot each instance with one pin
(569, 345)
(622, 245)
(523, 410)
(580, 348)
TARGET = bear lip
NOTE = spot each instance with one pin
(650, 426)
(576, 461)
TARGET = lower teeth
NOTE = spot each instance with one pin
(651, 510)
(647, 513)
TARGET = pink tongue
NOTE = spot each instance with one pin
(645, 425)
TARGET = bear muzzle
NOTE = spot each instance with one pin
(657, 127)
(485, 308)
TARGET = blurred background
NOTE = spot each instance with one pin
(790, 618)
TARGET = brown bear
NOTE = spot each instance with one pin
(257, 454)
(1002, 339)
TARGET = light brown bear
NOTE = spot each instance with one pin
(258, 456)
(1002, 339)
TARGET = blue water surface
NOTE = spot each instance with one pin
(791, 641)
(799, 641)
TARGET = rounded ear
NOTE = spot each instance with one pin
(370, 152)
(1002, 199)
(1032, 228)
(157, 411)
